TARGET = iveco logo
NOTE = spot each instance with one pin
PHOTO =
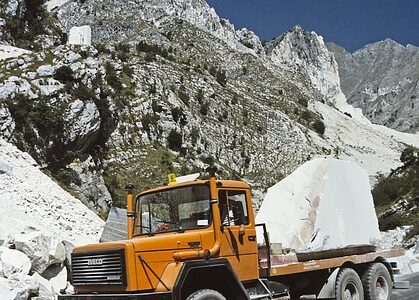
(95, 262)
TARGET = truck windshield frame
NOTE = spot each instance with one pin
(173, 210)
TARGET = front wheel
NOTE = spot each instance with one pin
(377, 282)
(206, 294)
(348, 285)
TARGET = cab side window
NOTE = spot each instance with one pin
(233, 207)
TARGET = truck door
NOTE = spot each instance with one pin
(236, 215)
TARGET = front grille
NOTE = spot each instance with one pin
(99, 268)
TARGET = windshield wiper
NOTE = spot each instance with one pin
(149, 233)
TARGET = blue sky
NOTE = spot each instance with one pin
(349, 23)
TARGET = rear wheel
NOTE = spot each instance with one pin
(348, 285)
(377, 283)
(206, 294)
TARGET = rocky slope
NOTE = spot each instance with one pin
(397, 196)
(383, 80)
(40, 224)
(50, 209)
(168, 86)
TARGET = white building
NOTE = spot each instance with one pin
(80, 35)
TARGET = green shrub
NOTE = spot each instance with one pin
(194, 135)
(150, 57)
(183, 95)
(123, 50)
(244, 70)
(112, 78)
(221, 78)
(306, 116)
(213, 71)
(101, 48)
(303, 102)
(177, 114)
(142, 46)
(128, 70)
(391, 222)
(403, 182)
(31, 22)
(123, 47)
(174, 141)
(204, 108)
(83, 93)
(235, 100)
(407, 154)
(149, 120)
(97, 81)
(319, 127)
(64, 74)
(200, 96)
(156, 107)
(208, 160)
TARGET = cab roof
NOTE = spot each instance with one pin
(220, 184)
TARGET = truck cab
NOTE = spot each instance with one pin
(183, 237)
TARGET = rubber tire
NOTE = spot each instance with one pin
(206, 294)
(375, 272)
(294, 296)
(348, 276)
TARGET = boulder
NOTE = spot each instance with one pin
(45, 290)
(45, 70)
(7, 124)
(115, 226)
(59, 282)
(36, 246)
(68, 249)
(7, 292)
(69, 290)
(7, 51)
(3, 234)
(4, 286)
(57, 254)
(325, 204)
(3, 248)
(14, 261)
(250, 39)
(18, 286)
(24, 282)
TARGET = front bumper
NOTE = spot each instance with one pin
(142, 296)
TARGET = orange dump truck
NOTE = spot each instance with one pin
(197, 240)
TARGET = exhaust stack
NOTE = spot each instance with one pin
(130, 210)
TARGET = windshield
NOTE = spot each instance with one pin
(173, 210)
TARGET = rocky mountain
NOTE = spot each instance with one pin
(168, 86)
(382, 79)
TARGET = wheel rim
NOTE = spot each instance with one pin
(351, 292)
(381, 288)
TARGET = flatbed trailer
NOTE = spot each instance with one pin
(299, 267)
(204, 246)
